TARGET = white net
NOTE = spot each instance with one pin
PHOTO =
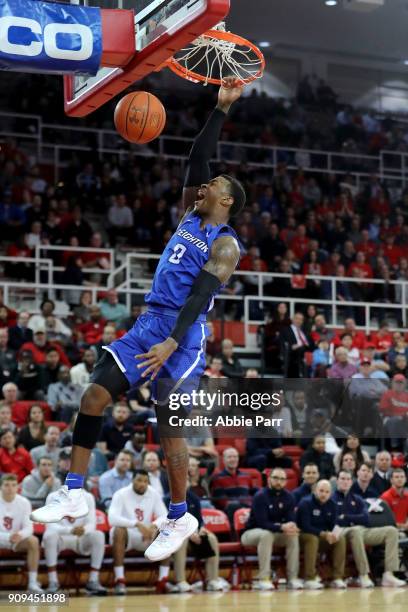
(210, 59)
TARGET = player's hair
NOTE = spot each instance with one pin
(397, 471)
(140, 472)
(367, 465)
(238, 193)
(8, 478)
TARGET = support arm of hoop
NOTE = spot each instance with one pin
(118, 37)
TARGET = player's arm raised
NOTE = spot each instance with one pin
(223, 260)
(198, 169)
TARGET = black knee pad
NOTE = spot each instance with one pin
(108, 375)
(87, 430)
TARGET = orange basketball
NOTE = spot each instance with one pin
(140, 117)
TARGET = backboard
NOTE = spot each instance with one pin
(162, 27)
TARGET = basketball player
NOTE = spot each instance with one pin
(79, 535)
(16, 529)
(168, 341)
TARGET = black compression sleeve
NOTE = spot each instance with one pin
(205, 285)
(198, 170)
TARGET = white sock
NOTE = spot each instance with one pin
(52, 576)
(163, 571)
(119, 572)
(32, 578)
(93, 575)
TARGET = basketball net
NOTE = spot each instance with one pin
(218, 54)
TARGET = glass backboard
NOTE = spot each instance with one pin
(162, 27)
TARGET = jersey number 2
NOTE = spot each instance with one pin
(178, 253)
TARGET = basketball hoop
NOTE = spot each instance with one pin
(218, 54)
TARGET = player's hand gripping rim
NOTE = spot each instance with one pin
(156, 357)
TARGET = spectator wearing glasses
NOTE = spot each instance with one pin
(272, 522)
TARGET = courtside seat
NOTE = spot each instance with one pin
(217, 522)
(102, 522)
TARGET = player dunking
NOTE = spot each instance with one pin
(169, 339)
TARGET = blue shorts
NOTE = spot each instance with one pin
(185, 366)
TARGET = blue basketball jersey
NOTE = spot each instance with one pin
(182, 260)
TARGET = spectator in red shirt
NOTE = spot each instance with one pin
(300, 242)
(214, 369)
(248, 261)
(91, 332)
(320, 331)
(359, 339)
(344, 206)
(231, 488)
(39, 347)
(96, 259)
(397, 498)
(394, 406)
(312, 265)
(380, 205)
(391, 251)
(361, 265)
(14, 460)
(366, 245)
(11, 314)
(382, 339)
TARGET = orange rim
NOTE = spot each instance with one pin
(196, 77)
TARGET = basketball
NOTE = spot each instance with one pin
(139, 117)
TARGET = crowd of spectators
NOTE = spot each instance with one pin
(297, 223)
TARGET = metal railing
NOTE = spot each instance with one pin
(52, 141)
(263, 278)
(332, 306)
(108, 253)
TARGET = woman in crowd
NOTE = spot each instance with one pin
(351, 446)
(32, 434)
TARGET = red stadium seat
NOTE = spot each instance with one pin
(238, 443)
(256, 476)
(102, 523)
(240, 518)
(19, 411)
(60, 424)
(293, 451)
(39, 528)
(152, 447)
(217, 522)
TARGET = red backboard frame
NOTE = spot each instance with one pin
(143, 62)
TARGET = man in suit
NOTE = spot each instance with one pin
(382, 472)
(294, 344)
(20, 333)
